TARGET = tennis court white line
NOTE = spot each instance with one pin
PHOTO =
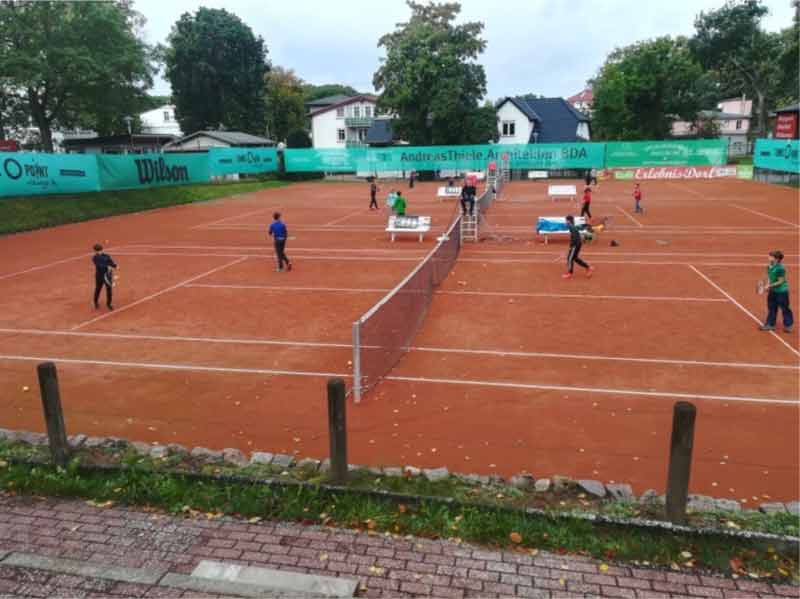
(627, 214)
(602, 390)
(298, 249)
(743, 309)
(688, 189)
(222, 220)
(184, 367)
(332, 345)
(288, 288)
(270, 255)
(338, 220)
(158, 293)
(43, 266)
(780, 220)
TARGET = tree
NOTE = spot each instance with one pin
(429, 78)
(152, 102)
(789, 61)
(298, 138)
(76, 63)
(731, 42)
(285, 109)
(13, 115)
(313, 92)
(642, 88)
(216, 67)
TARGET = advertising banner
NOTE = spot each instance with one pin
(786, 126)
(228, 161)
(777, 155)
(151, 170)
(704, 152)
(32, 173)
(676, 172)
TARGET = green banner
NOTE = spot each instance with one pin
(227, 161)
(31, 173)
(704, 152)
(744, 171)
(432, 158)
(777, 155)
(151, 170)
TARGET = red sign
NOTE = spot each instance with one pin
(786, 126)
(9, 145)
(492, 166)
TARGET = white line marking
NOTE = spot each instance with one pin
(158, 293)
(223, 220)
(43, 266)
(288, 288)
(688, 189)
(742, 308)
(626, 213)
(338, 220)
(780, 220)
(319, 344)
(269, 255)
(157, 366)
(658, 394)
(315, 249)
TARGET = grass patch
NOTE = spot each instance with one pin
(183, 493)
(36, 212)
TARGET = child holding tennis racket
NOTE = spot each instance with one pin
(103, 275)
(777, 289)
(637, 197)
(587, 201)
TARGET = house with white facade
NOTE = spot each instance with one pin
(732, 118)
(582, 101)
(160, 121)
(524, 120)
(343, 123)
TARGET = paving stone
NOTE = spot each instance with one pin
(325, 466)
(116, 443)
(260, 457)
(728, 505)
(523, 481)
(94, 442)
(621, 492)
(436, 474)
(793, 507)
(309, 464)
(177, 449)
(375, 470)
(475, 479)
(701, 503)
(73, 441)
(233, 456)
(393, 471)
(207, 454)
(355, 468)
(560, 483)
(772, 508)
(281, 460)
(542, 485)
(649, 497)
(593, 487)
(80, 568)
(141, 448)
(32, 438)
(158, 452)
(496, 480)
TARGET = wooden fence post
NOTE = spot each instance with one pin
(680, 461)
(53, 414)
(337, 429)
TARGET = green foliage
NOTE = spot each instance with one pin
(36, 212)
(789, 61)
(153, 102)
(284, 103)
(298, 138)
(643, 87)
(216, 67)
(744, 58)
(430, 80)
(75, 63)
(313, 92)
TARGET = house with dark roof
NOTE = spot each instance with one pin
(315, 105)
(344, 122)
(524, 120)
(201, 141)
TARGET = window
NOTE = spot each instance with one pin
(368, 111)
(356, 111)
(738, 125)
(508, 129)
(166, 116)
(340, 112)
(340, 135)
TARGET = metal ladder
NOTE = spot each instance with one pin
(469, 227)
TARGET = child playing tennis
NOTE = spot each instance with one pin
(103, 275)
(373, 191)
(575, 243)
(400, 205)
(587, 200)
(278, 232)
(637, 196)
(777, 294)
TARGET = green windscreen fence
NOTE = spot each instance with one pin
(250, 161)
(777, 155)
(704, 152)
(32, 173)
(151, 170)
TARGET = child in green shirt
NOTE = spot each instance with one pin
(777, 294)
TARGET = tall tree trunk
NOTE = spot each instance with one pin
(761, 110)
(39, 115)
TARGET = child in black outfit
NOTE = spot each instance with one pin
(103, 275)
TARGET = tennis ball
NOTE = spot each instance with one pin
(26, 388)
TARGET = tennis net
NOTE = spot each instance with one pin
(384, 333)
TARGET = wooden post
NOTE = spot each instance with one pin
(337, 429)
(680, 461)
(53, 414)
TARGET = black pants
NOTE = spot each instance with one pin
(411, 182)
(99, 282)
(469, 200)
(280, 252)
(585, 210)
(373, 202)
(780, 300)
(572, 258)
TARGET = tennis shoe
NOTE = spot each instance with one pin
(567, 275)
(589, 272)
(788, 329)
(110, 307)
(279, 269)
(766, 327)
(96, 306)
(289, 266)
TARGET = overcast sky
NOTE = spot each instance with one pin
(548, 47)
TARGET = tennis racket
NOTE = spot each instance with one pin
(109, 277)
(760, 287)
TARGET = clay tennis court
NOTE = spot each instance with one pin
(514, 368)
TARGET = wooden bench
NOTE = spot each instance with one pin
(562, 191)
(418, 225)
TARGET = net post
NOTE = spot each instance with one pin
(680, 461)
(53, 413)
(357, 361)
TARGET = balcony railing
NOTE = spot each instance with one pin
(358, 121)
(355, 144)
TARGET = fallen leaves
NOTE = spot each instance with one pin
(515, 537)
